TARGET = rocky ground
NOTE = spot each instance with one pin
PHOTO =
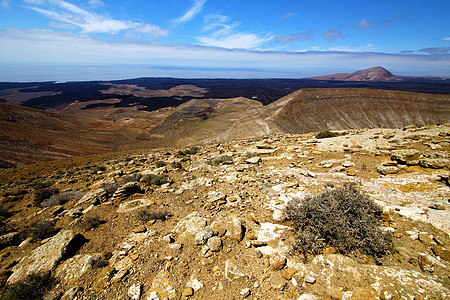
(207, 222)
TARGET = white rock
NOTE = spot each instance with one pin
(134, 292)
(194, 284)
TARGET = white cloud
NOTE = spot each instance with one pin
(49, 48)
(289, 15)
(96, 3)
(65, 13)
(446, 39)
(331, 35)
(363, 24)
(36, 2)
(61, 25)
(235, 41)
(192, 12)
(367, 47)
(5, 4)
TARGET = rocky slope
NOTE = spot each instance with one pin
(372, 74)
(208, 224)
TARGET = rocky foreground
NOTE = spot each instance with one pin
(207, 222)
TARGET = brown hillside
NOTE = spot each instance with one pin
(372, 74)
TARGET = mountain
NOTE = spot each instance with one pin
(372, 74)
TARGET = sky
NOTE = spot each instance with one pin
(103, 40)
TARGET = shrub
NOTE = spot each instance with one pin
(177, 165)
(60, 199)
(89, 223)
(343, 218)
(34, 286)
(41, 230)
(185, 152)
(152, 179)
(147, 215)
(43, 194)
(160, 164)
(130, 178)
(96, 262)
(326, 134)
(220, 160)
(110, 187)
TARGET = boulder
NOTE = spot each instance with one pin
(189, 225)
(162, 287)
(9, 239)
(435, 163)
(127, 190)
(94, 197)
(406, 156)
(47, 256)
(203, 235)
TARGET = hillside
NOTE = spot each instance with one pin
(372, 74)
(32, 135)
(209, 222)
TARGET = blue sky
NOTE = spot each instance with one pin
(100, 39)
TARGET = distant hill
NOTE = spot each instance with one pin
(372, 74)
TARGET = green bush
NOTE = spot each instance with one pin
(326, 134)
(41, 230)
(343, 218)
(89, 223)
(185, 152)
(152, 179)
(220, 160)
(146, 215)
(34, 286)
(160, 164)
(97, 262)
(60, 199)
(43, 194)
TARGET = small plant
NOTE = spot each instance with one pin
(89, 223)
(34, 286)
(177, 165)
(152, 179)
(326, 134)
(220, 160)
(41, 230)
(160, 164)
(60, 199)
(130, 178)
(43, 194)
(343, 218)
(250, 155)
(146, 215)
(110, 187)
(97, 262)
(185, 152)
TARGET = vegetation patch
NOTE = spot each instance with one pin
(185, 152)
(60, 199)
(34, 286)
(224, 159)
(41, 230)
(152, 179)
(89, 223)
(42, 194)
(146, 215)
(343, 218)
(326, 134)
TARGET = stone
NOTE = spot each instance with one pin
(253, 160)
(245, 293)
(214, 244)
(75, 212)
(195, 284)
(235, 229)
(441, 252)
(232, 272)
(437, 206)
(214, 196)
(406, 156)
(307, 297)
(310, 279)
(94, 197)
(73, 268)
(189, 225)
(258, 243)
(9, 239)
(187, 292)
(277, 282)
(435, 163)
(203, 235)
(277, 262)
(426, 240)
(133, 205)
(47, 256)
(425, 263)
(140, 228)
(386, 170)
(127, 190)
(71, 293)
(162, 287)
(134, 292)
(287, 273)
(258, 254)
